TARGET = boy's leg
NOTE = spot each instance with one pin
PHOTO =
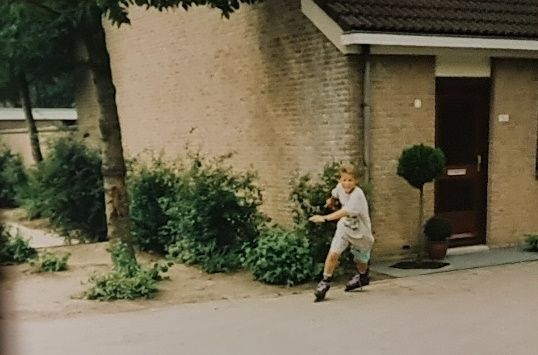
(361, 278)
(338, 245)
(330, 264)
(362, 268)
(325, 284)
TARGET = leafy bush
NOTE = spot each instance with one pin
(150, 188)
(67, 187)
(128, 280)
(308, 197)
(212, 214)
(124, 260)
(30, 198)
(437, 229)
(50, 262)
(281, 257)
(421, 164)
(117, 286)
(14, 250)
(208, 255)
(12, 177)
(532, 242)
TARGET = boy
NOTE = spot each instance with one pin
(353, 228)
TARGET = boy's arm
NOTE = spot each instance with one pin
(333, 198)
(329, 217)
(331, 202)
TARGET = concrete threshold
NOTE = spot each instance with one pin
(467, 250)
(463, 258)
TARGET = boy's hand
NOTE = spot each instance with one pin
(317, 219)
(330, 203)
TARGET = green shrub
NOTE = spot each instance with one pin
(308, 197)
(117, 286)
(128, 280)
(12, 178)
(150, 188)
(49, 262)
(30, 196)
(124, 261)
(437, 229)
(212, 214)
(14, 250)
(532, 242)
(281, 257)
(211, 258)
(421, 164)
(67, 188)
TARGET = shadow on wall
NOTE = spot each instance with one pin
(312, 89)
(309, 97)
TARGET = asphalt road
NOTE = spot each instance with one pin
(482, 311)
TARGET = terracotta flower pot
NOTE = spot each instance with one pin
(437, 249)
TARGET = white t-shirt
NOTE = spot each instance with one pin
(355, 204)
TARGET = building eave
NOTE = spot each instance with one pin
(397, 43)
(389, 39)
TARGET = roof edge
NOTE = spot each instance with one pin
(391, 39)
(326, 25)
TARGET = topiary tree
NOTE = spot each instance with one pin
(419, 165)
(437, 229)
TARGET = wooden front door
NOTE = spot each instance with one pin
(462, 126)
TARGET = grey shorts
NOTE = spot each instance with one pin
(361, 244)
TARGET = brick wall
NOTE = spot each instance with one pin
(18, 140)
(396, 124)
(265, 84)
(269, 86)
(512, 187)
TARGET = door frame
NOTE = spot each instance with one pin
(482, 139)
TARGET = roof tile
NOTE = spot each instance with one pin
(484, 18)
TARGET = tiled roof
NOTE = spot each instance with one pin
(483, 18)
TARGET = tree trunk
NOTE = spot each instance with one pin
(27, 107)
(113, 168)
(420, 233)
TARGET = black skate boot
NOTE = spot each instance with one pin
(358, 281)
(321, 290)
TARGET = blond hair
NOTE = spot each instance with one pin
(350, 169)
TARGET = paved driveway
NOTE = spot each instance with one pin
(481, 311)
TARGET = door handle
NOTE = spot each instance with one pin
(478, 162)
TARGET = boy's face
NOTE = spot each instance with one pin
(348, 182)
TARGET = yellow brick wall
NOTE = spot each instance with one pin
(396, 124)
(18, 140)
(265, 84)
(513, 187)
(269, 86)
